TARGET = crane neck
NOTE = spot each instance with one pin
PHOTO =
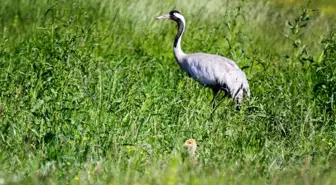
(177, 42)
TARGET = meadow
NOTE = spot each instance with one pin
(90, 93)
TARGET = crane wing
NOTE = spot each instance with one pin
(208, 69)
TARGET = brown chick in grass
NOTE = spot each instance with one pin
(191, 145)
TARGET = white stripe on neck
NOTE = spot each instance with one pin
(178, 50)
(180, 17)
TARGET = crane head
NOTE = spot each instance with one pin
(173, 15)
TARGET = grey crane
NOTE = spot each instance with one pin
(214, 71)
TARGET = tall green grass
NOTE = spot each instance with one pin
(90, 93)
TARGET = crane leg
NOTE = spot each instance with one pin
(214, 95)
(239, 100)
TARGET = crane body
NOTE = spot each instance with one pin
(216, 72)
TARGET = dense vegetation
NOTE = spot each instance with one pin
(90, 93)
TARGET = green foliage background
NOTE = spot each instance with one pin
(90, 93)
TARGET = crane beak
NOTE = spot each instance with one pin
(167, 16)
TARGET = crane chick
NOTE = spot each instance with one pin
(191, 146)
(213, 71)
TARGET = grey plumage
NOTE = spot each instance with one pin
(214, 71)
